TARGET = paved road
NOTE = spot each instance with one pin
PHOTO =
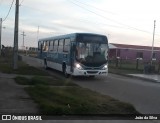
(145, 96)
(13, 98)
(142, 94)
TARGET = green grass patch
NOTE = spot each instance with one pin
(29, 70)
(6, 66)
(22, 80)
(76, 101)
(43, 80)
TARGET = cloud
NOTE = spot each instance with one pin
(56, 17)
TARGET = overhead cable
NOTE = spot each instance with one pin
(8, 11)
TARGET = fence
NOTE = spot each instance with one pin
(137, 64)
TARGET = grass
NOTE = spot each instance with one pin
(62, 97)
(22, 80)
(43, 80)
(76, 101)
(23, 69)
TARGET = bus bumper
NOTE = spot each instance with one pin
(78, 72)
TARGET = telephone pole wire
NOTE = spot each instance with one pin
(15, 48)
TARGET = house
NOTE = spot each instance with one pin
(133, 52)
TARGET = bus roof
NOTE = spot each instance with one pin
(69, 35)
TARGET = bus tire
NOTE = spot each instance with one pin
(45, 64)
(65, 71)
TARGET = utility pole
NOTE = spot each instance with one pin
(15, 48)
(23, 38)
(38, 34)
(153, 41)
(0, 33)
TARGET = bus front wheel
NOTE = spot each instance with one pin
(65, 71)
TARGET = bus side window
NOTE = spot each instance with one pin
(51, 46)
(60, 47)
(66, 45)
(47, 45)
(39, 45)
(55, 45)
(44, 45)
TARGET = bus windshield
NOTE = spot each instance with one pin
(91, 52)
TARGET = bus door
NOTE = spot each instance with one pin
(72, 54)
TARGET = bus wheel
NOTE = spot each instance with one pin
(45, 64)
(65, 71)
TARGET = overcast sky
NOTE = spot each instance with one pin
(123, 21)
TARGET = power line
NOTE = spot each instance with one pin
(122, 25)
(35, 9)
(1, 2)
(95, 7)
(9, 10)
(82, 20)
(21, 2)
(130, 27)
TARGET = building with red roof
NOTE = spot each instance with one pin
(133, 52)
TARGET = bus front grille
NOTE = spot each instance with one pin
(92, 72)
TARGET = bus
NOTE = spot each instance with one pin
(76, 54)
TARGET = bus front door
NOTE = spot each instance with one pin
(72, 55)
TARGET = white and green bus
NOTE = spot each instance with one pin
(77, 54)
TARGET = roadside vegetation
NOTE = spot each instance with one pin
(43, 80)
(56, 96)
(6, 66)
(62, 97)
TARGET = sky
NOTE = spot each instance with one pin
(122, 21)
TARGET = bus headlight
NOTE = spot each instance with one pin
(105, 67)
(78, 66)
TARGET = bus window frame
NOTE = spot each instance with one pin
(60, 45)
(68, 46)
(56, 43)
(51, 46)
